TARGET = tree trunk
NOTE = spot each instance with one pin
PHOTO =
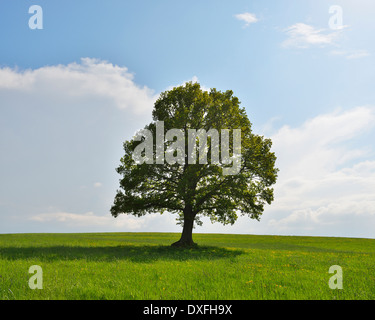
(187, 231)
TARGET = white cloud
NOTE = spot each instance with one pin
(69, 121)
(90, 78)
(351, 54)
(358, 54)
(326, 184)
(91, 222)
(320, 138)
(301, 35)
(89, 219)
(338, 52)
(269, 125)
(194, 79)
(247, 17)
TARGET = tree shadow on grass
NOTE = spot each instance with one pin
(134, 253)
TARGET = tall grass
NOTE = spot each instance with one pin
(145, 266)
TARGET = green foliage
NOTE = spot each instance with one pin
(196, 190)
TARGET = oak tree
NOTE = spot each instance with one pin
(185, 186)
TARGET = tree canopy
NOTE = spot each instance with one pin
(231, 175)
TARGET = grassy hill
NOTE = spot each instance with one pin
(144, 266)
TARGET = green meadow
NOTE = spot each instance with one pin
(144, 266)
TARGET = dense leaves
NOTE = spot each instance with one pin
(195, 190)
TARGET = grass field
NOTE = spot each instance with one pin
(144, 266)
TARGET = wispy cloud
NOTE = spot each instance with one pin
(91, 222)
(301, 35)
(247, 17)
(194, 79)
(351, 54)
(89, 219)
(358, 54)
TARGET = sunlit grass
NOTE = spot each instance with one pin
(144, 266)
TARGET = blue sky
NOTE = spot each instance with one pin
(72, 92)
